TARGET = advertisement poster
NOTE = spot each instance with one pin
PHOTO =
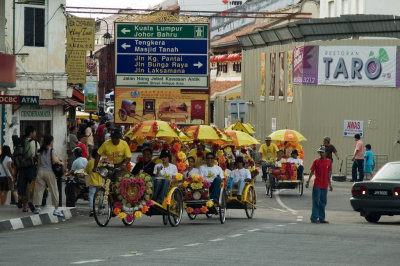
(352, 127)
(80, 34)
(135, 105)
(305, 65)
(289, 60)
(281, 75)
(76, 66)
(357, 66)
(263, 77)
(91, 94)
(298, 65)
(272, 77)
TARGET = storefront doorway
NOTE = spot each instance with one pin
(42, 128)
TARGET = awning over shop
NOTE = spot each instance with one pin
(78, 95)
(66, 103)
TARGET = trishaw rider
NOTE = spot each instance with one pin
(268, 154)
(115, 149)
(213, 174)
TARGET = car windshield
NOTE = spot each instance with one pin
(390, 172)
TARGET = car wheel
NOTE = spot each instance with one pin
(372, 217)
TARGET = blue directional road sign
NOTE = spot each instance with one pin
(162, 55)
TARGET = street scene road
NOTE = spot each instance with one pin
(279, 234)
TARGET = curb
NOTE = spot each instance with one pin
(37, 219)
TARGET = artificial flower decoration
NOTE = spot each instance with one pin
(166, 146)
(195, 177)
(181, 156)
(185, 184)
(129, 218)
(222, 159)
(156, 146)
(118, 205)
(133, 146)
(207, 184)
(181, 167)
(204, 194)
(177, 146)
(169, 139)
(179, 177)
(174, 152)
(196, 211)
(140, 140)
(215, 147)
(155, 127)
(138, 214)
(210, 203)
(204, 209)
(188, 196)
(228, 150)
(189, 210)
(129, 167)
(117, 211)
(144, 209)
(219, 154)
(168, 201)
(121, 215)
(201, 179)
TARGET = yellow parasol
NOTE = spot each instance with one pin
(287, 135)
(240, 138)
(205, 133)
(155, 129)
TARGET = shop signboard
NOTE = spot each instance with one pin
(352, 127)
(76, 66)
(19, 99)
(36, 113)
(162, 55)
(80, 34)
(133, 105)
(91, 94)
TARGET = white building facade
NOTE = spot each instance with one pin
(336, 8)
(35, 33)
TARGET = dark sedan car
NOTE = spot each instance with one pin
(380, 196)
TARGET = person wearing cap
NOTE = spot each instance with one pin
(115, 149)
(330, 149)
(240, 175)
(163, 172)
(268, 154)
(298, 162)
(322, 169)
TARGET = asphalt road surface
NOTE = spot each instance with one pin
(279, 234)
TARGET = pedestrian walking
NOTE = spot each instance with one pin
(330, 149)
(7, 173)
(322, 169)
(95, 180)
(358, 160)
(82, 144)
(72, 142)
(89, 131)
(25, 159)
(46, 176)
(369, 162)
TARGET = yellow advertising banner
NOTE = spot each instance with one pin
(135, 105)
(263, 76)
(289, 60)
(76, 66)
(80, 34)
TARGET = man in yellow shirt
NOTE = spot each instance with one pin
(115, 149)
(268, 154)
(95, 180)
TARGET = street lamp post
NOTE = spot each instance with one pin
(107, 36)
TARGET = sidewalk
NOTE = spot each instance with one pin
(12, 218)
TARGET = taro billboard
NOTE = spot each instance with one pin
(347, 66)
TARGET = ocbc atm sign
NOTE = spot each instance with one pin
(16, 99)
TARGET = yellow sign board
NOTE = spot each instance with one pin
(80, 34)
(76, 66)
(232, 96)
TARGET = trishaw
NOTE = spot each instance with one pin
(248, 199)
(197, 199)
(129, 197)
(284, 177)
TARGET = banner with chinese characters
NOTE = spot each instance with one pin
(263, 73)
(76, 66)
(80, 34)
(135, 105)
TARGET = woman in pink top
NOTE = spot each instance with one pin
(358, 160)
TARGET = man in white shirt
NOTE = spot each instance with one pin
(298, 162)
(213, 174)
(240, 175)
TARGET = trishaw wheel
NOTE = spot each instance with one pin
(175, 208)
(165, 219)
(102, 207)
(222, 206)
(208, 215)
(301, 188)
(192, 216)
(251, 197)
(125, 222)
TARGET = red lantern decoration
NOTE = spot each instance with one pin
(225, 1)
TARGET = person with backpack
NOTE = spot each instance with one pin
(46, 176)
(7, 173)
(25, 159)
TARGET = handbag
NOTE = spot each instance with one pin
(58, 169)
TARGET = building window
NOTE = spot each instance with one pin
(237, 67)
(225, 68)
(331, 9)
(236, 3)
(34, 27)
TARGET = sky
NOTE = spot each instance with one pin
(108, 3)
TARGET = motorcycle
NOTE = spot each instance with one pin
(75, 188)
